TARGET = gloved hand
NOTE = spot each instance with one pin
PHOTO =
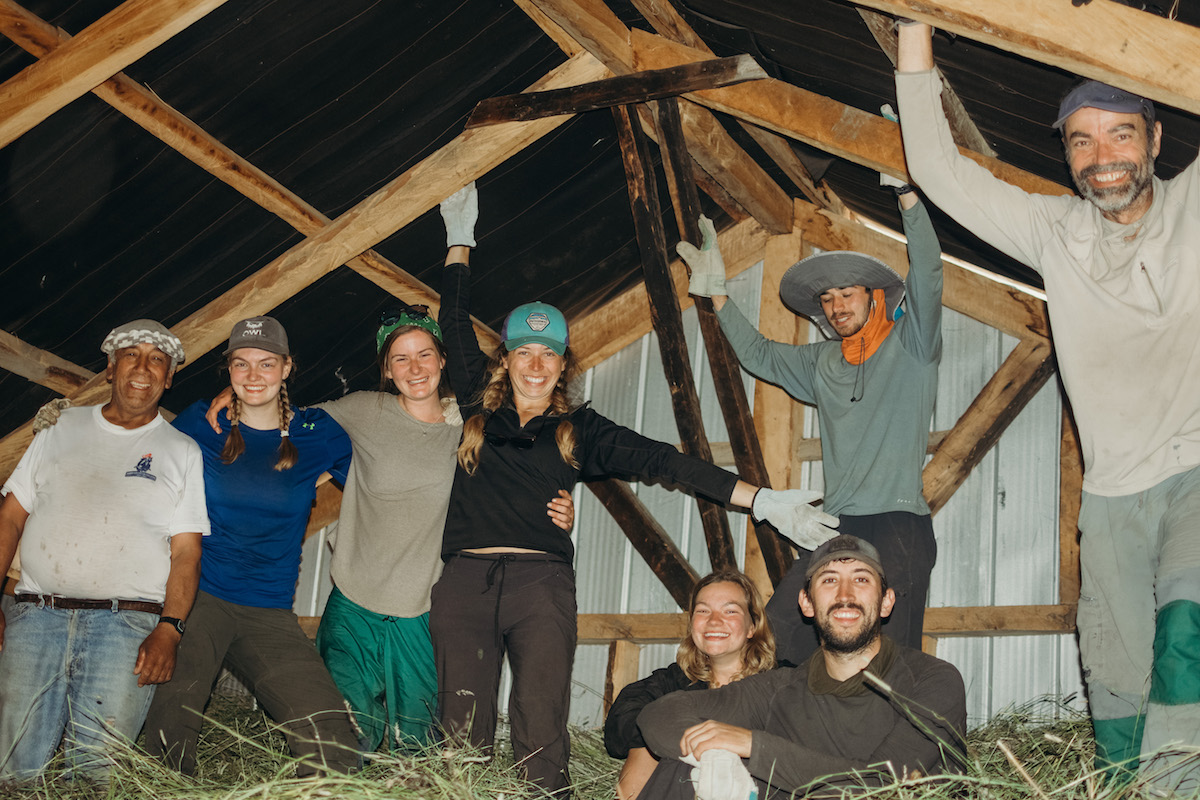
(47, 416)
(722, 776)
(885, 179)
(789, 511)
(706, 264)
(460, 212)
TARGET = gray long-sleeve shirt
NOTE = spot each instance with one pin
(872, 448)
(1123, 299)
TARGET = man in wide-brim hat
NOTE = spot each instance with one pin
(874, 384)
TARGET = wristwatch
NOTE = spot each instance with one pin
(174, 622)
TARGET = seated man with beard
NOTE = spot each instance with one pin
(828, 725)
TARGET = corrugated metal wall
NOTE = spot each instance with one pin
(997, 537)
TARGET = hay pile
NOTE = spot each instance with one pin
(1019, 755)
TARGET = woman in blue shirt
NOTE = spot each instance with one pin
(260, 481)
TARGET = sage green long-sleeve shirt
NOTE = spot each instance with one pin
(872, 448)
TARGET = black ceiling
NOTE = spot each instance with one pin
(102, 223)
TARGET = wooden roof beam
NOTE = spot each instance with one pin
(158, 118)
(667, 21)
(834, 127)
(420, 188)
(668, 322)
(596, 28)
(103, 49)
(1027, 367)
(40, 366)
(1108, 41)
(962, 127)
(723, 362)
(637, 87)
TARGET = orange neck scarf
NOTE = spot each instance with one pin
(858, 348)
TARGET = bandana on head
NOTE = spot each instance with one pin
(134, 333)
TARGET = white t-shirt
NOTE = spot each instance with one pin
(103, 504)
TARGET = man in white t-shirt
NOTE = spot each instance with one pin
(108, 509)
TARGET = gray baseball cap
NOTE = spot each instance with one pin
(844, 546)
(1094, 94)
(264, 333)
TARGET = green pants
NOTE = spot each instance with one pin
(383, 666)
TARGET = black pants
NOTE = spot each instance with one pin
(908, 552)
(522, 605)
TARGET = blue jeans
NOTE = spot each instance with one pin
(67, 675)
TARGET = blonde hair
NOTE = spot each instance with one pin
(235, 445)
(497, 392)
(759, 654)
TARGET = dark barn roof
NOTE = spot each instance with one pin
(102, 223)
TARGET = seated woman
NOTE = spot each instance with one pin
(729, 639)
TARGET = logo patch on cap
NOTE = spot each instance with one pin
(538, 321)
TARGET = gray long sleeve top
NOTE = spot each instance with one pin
(1122, 298)
(872, 449)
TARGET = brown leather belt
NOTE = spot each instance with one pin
(54, 601)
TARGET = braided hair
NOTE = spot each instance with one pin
(497, 392)
(235, 445)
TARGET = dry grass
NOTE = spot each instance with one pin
(1019, 755)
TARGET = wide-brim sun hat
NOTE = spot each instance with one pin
(805, 280)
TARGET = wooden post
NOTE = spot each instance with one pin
(624, 659)
(1014, 384)
(726, 371)
(668, 321)
(1070, 489)
(648, 538)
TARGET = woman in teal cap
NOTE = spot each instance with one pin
(508, 586)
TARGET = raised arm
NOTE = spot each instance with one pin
(923, 286)
(786, 365)
(1001, 214)
(466, 363)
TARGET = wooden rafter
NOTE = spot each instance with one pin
(637, 87)
(1014, 384)
(40, 366)
(1159, 58)
(966, 134)
(175, 130)
(722, 361)
(663, 17)
(103, 49)
(834, 127)
(668, 322)
(402, 200)
(597, 29)
(649, 538)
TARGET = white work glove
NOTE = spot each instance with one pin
(460, 212)
(722, 776)
(885, 179)
(706, 264)
(789, 510)
(47, 416)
